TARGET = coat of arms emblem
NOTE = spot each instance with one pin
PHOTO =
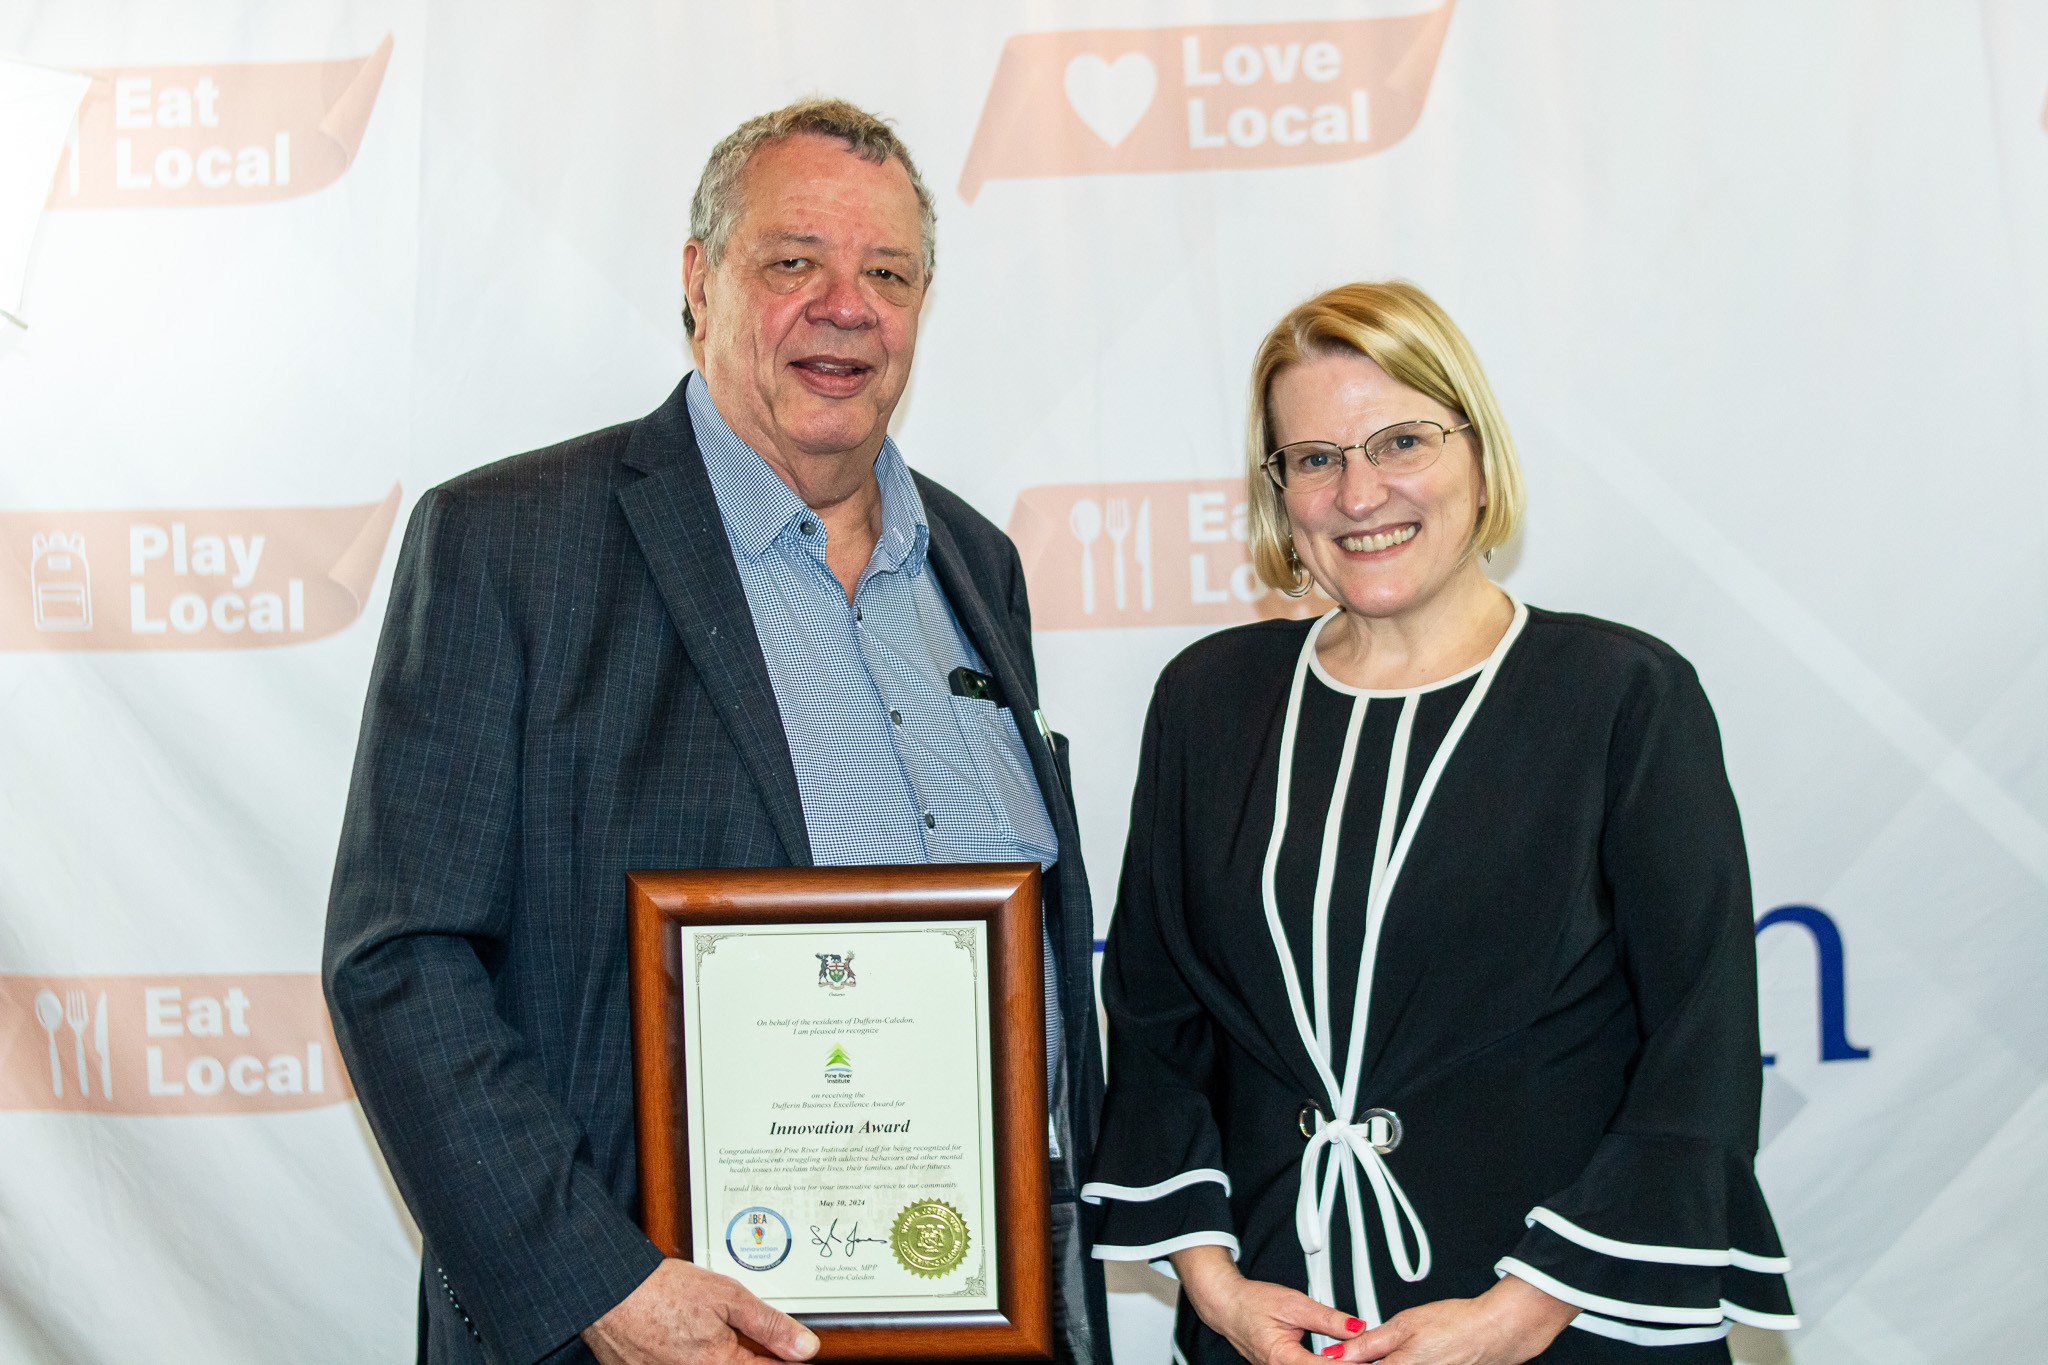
(835, 971)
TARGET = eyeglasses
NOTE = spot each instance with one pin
(1404, 448)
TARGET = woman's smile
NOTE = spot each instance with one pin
(1379, 542)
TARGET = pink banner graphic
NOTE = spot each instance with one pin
(218, 1044)
(235, 578)
(1164, 553)
(224, 133)
(1208, 97)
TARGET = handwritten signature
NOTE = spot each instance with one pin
(831, 1242)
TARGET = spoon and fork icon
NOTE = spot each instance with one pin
(1088, 520)
(71, 1010)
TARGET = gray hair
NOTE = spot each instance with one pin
(716, 206)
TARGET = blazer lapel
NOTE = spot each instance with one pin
(674, 516)
(968, 604)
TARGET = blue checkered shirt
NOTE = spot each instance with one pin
(891, 765)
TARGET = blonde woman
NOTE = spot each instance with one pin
(1431, 988)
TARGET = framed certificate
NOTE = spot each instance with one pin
(839, 1080)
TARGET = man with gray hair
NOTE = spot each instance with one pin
(738, 632)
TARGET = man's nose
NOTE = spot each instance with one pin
(841, 301)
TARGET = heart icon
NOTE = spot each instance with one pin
(1111, 97)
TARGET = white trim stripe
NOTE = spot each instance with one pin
(1098, 1190)
(1386, 866)
(1751, 1317)
(1599, 1303)
(1646, 1251)
(1269, 895)
(1647, 1336)
(1159, 1250)
(1643, 1312)
(1330, 680)
(1326, 874)
(1379, 896)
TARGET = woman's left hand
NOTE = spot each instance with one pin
(1510, 1323)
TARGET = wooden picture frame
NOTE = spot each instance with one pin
(1006, 897)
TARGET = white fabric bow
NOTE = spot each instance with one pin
(1350, 1147)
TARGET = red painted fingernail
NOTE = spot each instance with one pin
(1334, 1352)
(1353, 1325)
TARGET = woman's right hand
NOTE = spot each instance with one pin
(1263, 1321)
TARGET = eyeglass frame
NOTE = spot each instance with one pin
(1361, 447)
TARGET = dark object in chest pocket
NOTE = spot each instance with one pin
(965, 682)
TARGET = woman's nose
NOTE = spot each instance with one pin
(1361, 487)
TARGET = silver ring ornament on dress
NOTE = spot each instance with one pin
(1382, 1129)
(1305, 1116)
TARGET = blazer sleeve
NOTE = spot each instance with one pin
(1665, 1238)
(1157, 1177)
(532, 1246)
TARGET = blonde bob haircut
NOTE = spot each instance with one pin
(1404, 332)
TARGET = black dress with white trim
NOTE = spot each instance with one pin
(1409, 990)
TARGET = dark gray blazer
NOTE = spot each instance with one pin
(569, 687)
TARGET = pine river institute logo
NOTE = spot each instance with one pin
(838, 1069)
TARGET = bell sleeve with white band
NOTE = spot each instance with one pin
(1158, 1183)
(1665, 1237)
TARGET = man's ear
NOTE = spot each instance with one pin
(696, 270)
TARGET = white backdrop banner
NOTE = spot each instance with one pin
(1764, 290)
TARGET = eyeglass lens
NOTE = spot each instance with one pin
(1397, 449)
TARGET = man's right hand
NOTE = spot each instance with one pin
(685, 1315)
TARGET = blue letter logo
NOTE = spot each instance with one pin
(1834, 991)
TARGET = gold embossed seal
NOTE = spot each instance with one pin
(929, 1238)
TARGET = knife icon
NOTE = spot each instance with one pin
(1143, 553)
(99, 1045)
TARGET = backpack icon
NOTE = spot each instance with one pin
(60, 580)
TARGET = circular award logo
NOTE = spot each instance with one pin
(758, 1239)
(929, 1238)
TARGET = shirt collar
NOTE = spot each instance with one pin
(758, 506)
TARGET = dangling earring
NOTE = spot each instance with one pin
(1487, 555)
(1294, 567)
